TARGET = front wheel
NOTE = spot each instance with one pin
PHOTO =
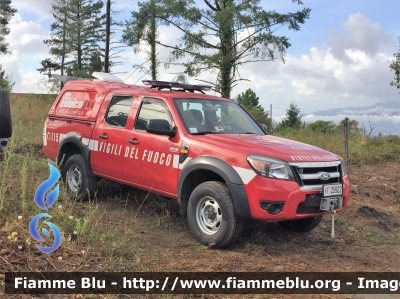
(78, 178)
(302, 225)
(211, 215)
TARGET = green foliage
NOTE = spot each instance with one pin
(5, 80)
(250, 101)
(6, 13)
(95, 65)
(242, 32)
(143, 27)
(292, 118)
(74, 38)
(395, 66)
(354, 126)
(48, 66)
(322, 126)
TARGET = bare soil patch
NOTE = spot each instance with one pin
(143, 232)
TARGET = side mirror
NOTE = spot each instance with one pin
(264, 128)
(160, 127)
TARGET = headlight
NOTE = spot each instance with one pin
(344, 171)
(270, 167)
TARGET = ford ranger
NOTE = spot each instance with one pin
(204, 151)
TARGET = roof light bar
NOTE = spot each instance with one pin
(170, 85)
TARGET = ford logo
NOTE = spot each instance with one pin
(324, 176)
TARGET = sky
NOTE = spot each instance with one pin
(339, 58)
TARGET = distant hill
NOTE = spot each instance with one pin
(379, 109)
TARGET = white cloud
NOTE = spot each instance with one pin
(353, 71)
(40, 7)
(26, 46)
(359, 34)
(26, 36)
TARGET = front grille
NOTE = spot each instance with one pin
(308, 174)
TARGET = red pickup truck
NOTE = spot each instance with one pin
(205, 151)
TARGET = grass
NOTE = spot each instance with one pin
(362, 150)
(126, 229)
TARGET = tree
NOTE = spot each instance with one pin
(108, 38)
(372, 127)
(250, 101)
(293, 117)
(5, 80)
(143, 28)
(74, 38)
(395, 66)
(354, 126)
(241, 31)
(111, 48)
(95, 65)
(58, 42)
(85, 31)
(322, 126)
(6, 13)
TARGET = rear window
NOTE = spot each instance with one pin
(76, 104)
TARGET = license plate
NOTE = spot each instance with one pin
(332, 190)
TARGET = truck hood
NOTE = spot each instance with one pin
(271, 146)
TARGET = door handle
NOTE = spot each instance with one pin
(103, 136)
(133, 141)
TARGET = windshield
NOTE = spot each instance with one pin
(202, 116)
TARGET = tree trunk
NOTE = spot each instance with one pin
(108, 29)
(79, 42)
(227, 52)
(64, 52)
(152, 42)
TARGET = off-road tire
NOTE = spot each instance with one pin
(302, 225)
(213, 196)
(5, 115)
(79, 180)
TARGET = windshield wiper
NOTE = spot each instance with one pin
(205, 132)
(248, 133)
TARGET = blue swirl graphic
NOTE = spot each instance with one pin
(41, 203)
(46, 186)
(33, 229)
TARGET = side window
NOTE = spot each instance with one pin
(118, 111)
(152, 109)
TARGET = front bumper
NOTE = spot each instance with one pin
(296, 203)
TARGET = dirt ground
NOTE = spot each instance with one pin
(143, 232)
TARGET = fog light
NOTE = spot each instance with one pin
(275, 208)
(272, 207)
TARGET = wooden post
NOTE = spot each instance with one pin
(346, 134)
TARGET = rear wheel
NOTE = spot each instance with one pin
(302, 225)
(211, 215)
(80, 182)
(5, 115)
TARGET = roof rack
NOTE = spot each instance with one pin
(65, 79)
(99, 76)
(183, 87)
(107, 77)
